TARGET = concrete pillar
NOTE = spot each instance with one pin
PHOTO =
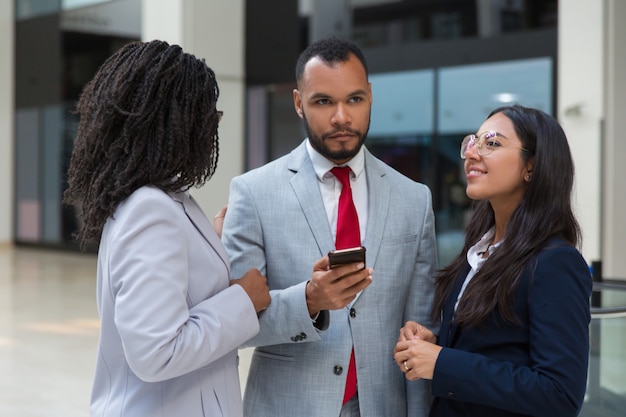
(213, 30)
(7, 115)
(614, 190)
(581, 81)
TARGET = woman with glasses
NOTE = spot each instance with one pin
(171, 318)
(514, 304)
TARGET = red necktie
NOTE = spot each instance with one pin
(348, 236)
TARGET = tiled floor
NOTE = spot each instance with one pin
(49, 333)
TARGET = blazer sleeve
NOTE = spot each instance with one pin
(162, 335)
(553, 382)
(287, 319)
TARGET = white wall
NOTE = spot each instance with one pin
(7, 114)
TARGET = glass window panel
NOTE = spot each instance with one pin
(51, 162)
(26, 9)
(403, 103)
(468, 93)
(27, 151)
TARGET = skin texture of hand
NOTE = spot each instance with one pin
(256, 287)
(413, 330)
(218, 221)
(335, 288)
(416, 352)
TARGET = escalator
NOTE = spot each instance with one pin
(606, 384)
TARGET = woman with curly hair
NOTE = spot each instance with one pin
(171, 318)
(514, 304)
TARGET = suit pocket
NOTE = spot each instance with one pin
(274, 356)
(398, 240)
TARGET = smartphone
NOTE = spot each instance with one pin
(346, 256)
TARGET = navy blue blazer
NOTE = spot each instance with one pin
(538, 368)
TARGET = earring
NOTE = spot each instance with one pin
(527, 177)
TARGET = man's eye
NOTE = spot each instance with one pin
(356, 99)
(323, 101)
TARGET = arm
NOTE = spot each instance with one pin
(149, 272)
(246, 243)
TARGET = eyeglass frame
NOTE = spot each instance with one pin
(478, 142)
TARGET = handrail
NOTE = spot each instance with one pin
(608, 312)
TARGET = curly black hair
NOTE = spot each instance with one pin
(148, 117)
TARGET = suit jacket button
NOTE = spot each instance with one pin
(352, 313)
(450, 394)
(337, 370)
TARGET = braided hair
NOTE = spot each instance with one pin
(148, 117)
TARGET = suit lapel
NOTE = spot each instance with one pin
(378, 206)
(450, 329)
(307, 191)
(202, 225)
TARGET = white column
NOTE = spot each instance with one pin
(614, 213)
(7, 115)
(213, 30)
(581, 110)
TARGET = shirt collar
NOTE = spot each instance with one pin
(322, 165)
(475, 253)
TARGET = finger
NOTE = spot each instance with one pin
(321, 264)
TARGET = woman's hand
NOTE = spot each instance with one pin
(416, 352)
(413, 330)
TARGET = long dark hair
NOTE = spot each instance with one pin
(148, 117)
(545, 211)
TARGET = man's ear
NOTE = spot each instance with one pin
(297, 102)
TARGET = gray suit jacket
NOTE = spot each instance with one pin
(276, 222)
(170, 322)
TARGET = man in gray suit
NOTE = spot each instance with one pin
(282, 219)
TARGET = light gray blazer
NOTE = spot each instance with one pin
(170, 322)
(276, 222)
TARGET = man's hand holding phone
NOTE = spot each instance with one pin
(337, 278)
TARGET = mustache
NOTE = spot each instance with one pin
(346, 130)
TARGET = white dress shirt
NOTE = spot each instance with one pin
(476, 259)
(330, 187)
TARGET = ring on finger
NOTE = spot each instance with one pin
(405, 367)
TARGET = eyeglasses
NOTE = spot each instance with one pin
(485, 142)
(220, 114)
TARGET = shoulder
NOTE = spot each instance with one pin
(558, 248)
(147, 202)
(147, 195)
(557, 263)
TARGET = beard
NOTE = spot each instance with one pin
(317, 141)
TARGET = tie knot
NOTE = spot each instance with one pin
(342, 174)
